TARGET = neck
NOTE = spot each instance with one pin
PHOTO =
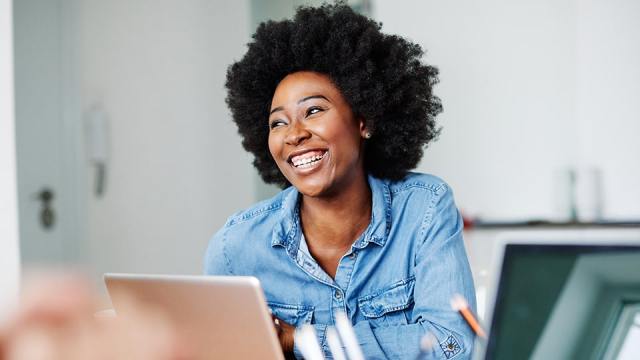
(337, 221)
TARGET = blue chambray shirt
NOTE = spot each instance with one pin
(395, 283)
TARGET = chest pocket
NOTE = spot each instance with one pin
(295, 315)
(390, 305)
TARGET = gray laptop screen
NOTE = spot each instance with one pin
(563, 301)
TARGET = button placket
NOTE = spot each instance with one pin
(338, 302)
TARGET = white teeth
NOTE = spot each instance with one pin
(307, 162)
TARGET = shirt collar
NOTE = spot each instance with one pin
(287, 231)
(380, 224)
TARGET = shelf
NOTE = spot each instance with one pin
(551, 224)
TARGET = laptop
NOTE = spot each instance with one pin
(221, 317)
(565, 295)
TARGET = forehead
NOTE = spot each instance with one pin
(300, 84)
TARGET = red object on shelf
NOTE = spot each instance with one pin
(467, 221)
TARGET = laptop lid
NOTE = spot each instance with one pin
(221, 317)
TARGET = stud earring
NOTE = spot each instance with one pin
(367, 135)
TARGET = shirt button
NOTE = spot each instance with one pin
(352, 255)
(338, 294)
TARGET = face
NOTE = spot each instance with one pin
(314, 137)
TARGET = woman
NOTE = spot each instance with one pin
(337, 113)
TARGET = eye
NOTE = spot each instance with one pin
(276, 123)
(313, 110)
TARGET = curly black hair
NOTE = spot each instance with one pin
(381, 77)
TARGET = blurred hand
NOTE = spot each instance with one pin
(56, 320)
(285, 335)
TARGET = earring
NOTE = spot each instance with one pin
(367, 135)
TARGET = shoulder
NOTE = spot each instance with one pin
(251, 227)
(258, 210)
(260, 216)
(419, 199)
(419, 183)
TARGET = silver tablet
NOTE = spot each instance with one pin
(223, 317)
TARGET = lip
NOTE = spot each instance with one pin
(307, 170)
(304, 151)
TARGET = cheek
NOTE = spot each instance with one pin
(348, 141)
(273, 146)
(354, 148)
(337, 130)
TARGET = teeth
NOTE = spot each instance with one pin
(308, 161)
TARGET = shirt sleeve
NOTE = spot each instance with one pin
(441, 271)
(216, 261)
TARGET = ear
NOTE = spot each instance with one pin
(364, 131)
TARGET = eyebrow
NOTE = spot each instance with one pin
(280, 108)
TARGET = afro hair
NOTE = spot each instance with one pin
(381, 77)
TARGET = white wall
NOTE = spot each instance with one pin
(9, 257)
(176, 169)
(529, 88)
(608, 98)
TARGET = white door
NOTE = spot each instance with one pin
(49, 185)
(9, 264)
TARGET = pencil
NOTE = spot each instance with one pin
(307, 342)
(348, 336)
(461, 305)
(333, 339)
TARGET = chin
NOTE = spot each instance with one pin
(312, 190)
(315, 184)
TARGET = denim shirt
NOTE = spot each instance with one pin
(395, 283)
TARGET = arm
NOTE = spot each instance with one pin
(215, 260)
(441, 270)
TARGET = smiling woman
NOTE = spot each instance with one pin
(337, 113)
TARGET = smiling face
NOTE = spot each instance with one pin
(314, 137)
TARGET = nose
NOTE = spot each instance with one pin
(296, 134)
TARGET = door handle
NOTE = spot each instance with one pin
(47, 214)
